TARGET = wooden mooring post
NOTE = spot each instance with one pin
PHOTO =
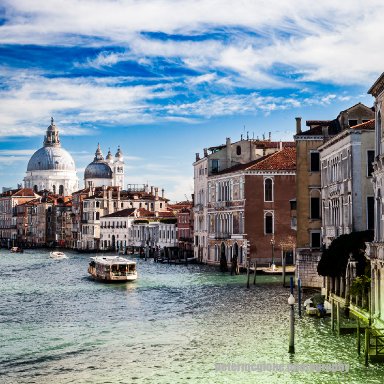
(248, 267)
(338, 317)
(254, 273)
(332, 316)
(366, 347)
(358, 337)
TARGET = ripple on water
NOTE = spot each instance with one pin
(172, 325)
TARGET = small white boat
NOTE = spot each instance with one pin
(58, 255)
(17, 250)
(112, 269)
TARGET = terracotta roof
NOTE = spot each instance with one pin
(368, 125)
(22, 192)
(123, 213)
(282, 160)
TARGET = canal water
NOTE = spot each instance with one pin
(173, 325)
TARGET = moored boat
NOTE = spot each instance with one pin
(58, 255)
(112, 269)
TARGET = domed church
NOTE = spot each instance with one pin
(52, 167)
(108, 172)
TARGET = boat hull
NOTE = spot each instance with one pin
(108, 278)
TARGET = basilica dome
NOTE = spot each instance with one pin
(51, 158)
(98, 170)
(52, 168)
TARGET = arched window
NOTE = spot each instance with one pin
(268, 223)
(61, 190)
(238, 150)
(54, 189)
(268, 190)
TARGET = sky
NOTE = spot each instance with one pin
(166, 78)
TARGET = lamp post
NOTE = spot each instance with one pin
(273, 252)
(291, 302)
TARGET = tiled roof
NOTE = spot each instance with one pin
(22, 192)
(123, 213)
(282, 160)
(368, 125)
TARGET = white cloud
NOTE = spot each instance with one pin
(321, 41)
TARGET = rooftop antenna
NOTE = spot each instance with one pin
(263, 137)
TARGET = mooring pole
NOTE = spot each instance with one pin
(366, 346)
(254, 273)
(358, 337)
(291, 284)
(248, 266)
(299, 294)
(284, 271)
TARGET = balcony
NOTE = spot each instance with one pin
(220, 236)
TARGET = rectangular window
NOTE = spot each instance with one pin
(352, 123)
(215, 166)
(370, 160)
(370, 212)
(315, 240)
(315, 208)
(315, 162)
(268, 223)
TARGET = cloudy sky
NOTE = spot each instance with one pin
(165, 78)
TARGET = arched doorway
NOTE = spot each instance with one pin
(223, 259)
(235, 256)
(113, 241)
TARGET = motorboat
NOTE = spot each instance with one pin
(17, 250)
(317, 306)
(112, 269)
(58, 255)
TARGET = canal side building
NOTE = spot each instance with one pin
(347, 196)
(217, 159)
(375, 249)
(249, 206)
(309, 210)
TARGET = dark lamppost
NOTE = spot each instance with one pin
(291, 302)
(273, 252)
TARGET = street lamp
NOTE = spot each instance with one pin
(291, 302)
(273, 252)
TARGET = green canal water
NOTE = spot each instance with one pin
(173, 325)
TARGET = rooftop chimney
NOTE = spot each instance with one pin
(156, 193)
(270, 135)
(151, 189)
(205, 152)
(229, 152)
(298, 125)
(162, 193)
(197, 156)
(324, 128)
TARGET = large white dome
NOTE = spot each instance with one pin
(51, 158)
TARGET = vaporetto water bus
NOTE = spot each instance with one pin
(112, 269)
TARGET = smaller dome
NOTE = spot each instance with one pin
(119, 153)
(98, 170)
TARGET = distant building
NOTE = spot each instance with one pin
(108, 172)
(52, 168)
(8, 213)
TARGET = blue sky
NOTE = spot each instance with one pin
(164, 79)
